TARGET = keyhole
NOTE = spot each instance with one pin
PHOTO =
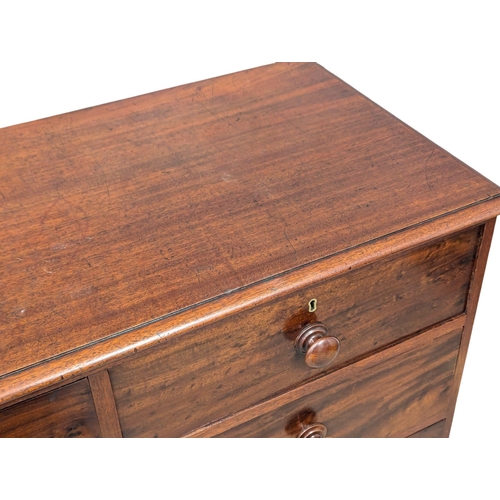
(313, 303)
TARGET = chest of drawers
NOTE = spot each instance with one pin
(263, 254)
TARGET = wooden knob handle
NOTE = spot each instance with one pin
(319, 348)
(313, 431)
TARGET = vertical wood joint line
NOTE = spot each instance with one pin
(105, 404)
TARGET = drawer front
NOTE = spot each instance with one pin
(391, 395)
(204, 375)
(65, 412)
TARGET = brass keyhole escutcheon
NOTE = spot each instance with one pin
(313, 304)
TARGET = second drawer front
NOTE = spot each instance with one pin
(391, 395)
(199, 377)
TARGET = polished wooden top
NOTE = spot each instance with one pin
(117, 215)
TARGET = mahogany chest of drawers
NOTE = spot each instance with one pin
(263, 254)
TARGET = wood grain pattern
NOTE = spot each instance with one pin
(210, 373)
(437, 430)
(94, 357)
(65, 412)
(300, 164)
(472, 301)
(387, 399)
(346, 374)
(105, 406)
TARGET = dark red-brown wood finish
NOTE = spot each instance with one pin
(393, 393)
(147, 238)
(388, 399)
(105, 406)
(64, 412)
(211, 372)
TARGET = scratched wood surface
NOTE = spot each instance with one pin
(118, 214)
(212, 372)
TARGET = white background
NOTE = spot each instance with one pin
(434, 64)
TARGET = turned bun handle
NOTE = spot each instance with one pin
(319, 348)
(313, 431)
